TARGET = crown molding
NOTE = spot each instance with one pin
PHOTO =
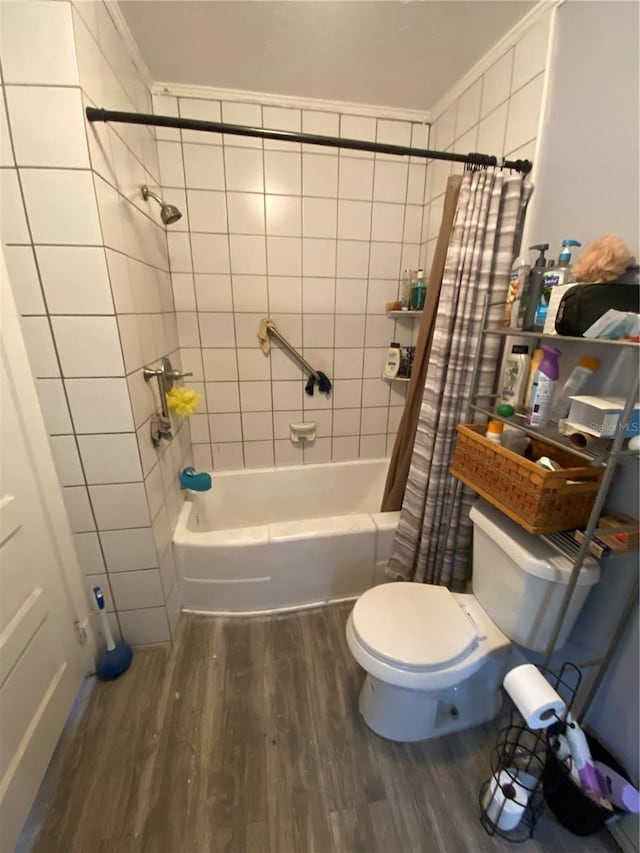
(182, 90)
(539, 11)
(120, 23)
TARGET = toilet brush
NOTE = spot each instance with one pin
(116, 658)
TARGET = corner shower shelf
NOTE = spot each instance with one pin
(396, 313)
(396, 378)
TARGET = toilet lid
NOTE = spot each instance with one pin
(413, 625)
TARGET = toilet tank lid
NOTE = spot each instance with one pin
(531, 553)
(413, 625)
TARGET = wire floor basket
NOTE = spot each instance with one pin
(512, 799)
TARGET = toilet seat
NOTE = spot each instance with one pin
(489, 641)
(416, 627)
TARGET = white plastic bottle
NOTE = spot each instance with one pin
(392, 363)
(517, 283)
(405, 290)
(494, 431)
(575, 384)
(514, 378)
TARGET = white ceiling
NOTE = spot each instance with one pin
(388, 53)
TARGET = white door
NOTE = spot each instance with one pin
(43, 654)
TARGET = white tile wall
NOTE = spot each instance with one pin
(497, 114)
(47, 127)
(67, 460)
(12, 216)
(24, 275)
(98, 303)
(61, 206)
(110, 458)
(89, 553)
(133, 590)
(316, 239)
(88, 346)
(128, 550)
(75, 280)
(120, 506)
(46, 29)
(144, 627)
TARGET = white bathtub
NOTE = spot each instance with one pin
(284, 538)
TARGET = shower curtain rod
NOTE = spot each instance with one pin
(473, 159)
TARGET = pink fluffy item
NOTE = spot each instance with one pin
(603, 260)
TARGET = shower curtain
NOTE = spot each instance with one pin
(433, 539)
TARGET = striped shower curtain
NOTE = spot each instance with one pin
(432, 543)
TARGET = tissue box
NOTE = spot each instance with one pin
(599, 416)
(615, 522)
(613, 543)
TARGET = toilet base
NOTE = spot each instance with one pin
(403, 715)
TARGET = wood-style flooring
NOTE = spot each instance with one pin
(246, 738)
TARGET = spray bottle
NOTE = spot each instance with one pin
(527, 300)
(543, 386)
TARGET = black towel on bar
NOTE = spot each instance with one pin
(324, 384)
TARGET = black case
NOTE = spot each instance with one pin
(583, 304)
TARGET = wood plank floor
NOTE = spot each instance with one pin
(246, 738)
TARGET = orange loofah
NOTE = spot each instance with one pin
(603, 260)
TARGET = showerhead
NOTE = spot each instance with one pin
(169, 213)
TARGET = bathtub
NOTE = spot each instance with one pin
(279, 539)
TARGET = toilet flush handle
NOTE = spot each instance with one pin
(481, 635)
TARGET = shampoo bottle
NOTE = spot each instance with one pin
(392, 363)
(575, 384)
(518, 280)
(543, 387)
(514, 378)
(528, 301)
(559, 274)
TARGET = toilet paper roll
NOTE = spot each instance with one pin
(583, 439)
(533, 696)
(506, 798)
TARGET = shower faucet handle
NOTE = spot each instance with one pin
(177, 374)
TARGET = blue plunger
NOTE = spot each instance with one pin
(116, 658)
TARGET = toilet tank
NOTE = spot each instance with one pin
(520, 580)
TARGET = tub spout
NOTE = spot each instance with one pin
(194, 480)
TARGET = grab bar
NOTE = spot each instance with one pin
(294, 352)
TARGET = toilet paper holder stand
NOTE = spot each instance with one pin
(512, 800)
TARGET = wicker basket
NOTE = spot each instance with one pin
(541, 501)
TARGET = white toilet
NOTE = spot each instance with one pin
(435, 659)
